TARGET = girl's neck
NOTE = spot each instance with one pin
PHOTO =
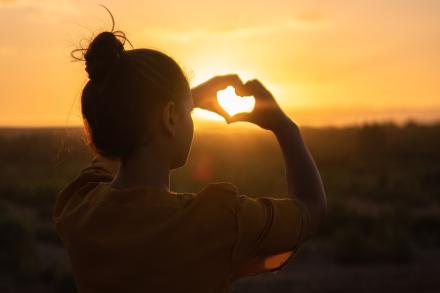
(143, 167)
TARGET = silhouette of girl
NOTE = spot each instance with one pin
(122, 226)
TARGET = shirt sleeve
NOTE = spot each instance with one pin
(270, 231)
(99, 169)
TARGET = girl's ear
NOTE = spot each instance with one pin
(169, 117)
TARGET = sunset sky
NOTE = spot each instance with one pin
(326, 62)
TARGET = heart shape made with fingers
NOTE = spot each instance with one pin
(234, 104)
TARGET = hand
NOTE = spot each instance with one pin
(205, 95)
(266, 113)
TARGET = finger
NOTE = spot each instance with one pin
(219, 110)
(255, 88)
(248, 88)
(238, 84)
(245, 116)
(215, 107)
(229, 79)
(259, 86)
(243, 90)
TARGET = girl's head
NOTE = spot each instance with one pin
(135, 98)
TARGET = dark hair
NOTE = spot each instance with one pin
(120, 102)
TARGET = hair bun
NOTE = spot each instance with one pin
(102, 54)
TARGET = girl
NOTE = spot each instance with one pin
(126, 231)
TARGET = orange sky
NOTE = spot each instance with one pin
(326, 62)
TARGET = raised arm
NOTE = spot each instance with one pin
(303, 178)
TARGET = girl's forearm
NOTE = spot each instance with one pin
(303, 178)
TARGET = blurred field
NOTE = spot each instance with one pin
(382, 232)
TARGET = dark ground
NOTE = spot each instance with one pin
(382, 231)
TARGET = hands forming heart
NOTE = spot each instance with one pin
(206, 95)
(229, 97)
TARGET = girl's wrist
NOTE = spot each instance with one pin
(283, 123)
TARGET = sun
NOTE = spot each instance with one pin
(234, 104)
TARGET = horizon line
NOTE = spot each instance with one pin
(240, 127)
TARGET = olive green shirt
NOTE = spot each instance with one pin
(145, 239)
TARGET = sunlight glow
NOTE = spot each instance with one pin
(206, 115)
(234, 104)
(370, 73)
(276, 260)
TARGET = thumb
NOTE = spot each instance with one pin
(244, 116)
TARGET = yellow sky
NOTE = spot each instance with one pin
(326, 62)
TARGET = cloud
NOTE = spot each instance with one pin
(303, 22)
